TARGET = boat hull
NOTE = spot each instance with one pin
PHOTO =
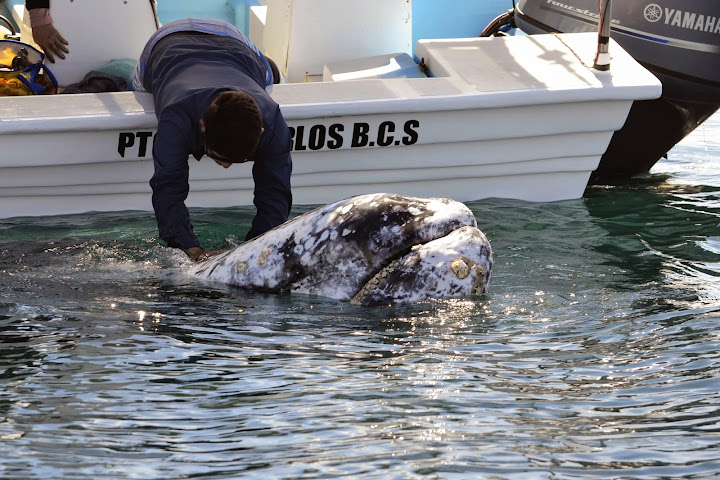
(516, 117)
(653, 128)
(439, 154)
(679, 43)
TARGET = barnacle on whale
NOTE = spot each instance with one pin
(460, 268)
(263, 257)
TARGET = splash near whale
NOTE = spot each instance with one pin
(376, 249)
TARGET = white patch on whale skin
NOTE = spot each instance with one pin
(308, 254)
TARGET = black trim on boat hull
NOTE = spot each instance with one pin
(679, 75)
(652, 128)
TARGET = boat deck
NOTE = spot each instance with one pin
(467, 73)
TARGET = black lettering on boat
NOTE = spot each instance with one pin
(143, 137)
(385, 132)
(411, 134)
(317, 137)
(125, 140)
(292, 138)
(335, 133)
(299, 140)
(360, 136)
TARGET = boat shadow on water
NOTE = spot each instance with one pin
(660, 234)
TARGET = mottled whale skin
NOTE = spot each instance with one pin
(372, 249)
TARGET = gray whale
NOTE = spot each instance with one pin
(375, 249)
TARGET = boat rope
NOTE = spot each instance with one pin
(556, 35)
(500, 25)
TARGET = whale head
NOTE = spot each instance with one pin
(372, 249)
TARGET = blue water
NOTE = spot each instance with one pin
(596, 354)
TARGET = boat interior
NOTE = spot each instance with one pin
(294, 33)
(372, 44)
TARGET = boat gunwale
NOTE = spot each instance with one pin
(299, 101)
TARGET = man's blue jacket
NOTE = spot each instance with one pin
(185, 73)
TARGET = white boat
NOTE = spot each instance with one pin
(522, 117)
(677, 40)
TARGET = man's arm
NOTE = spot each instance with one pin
(44, 32)
(271, 172)
(170, 189)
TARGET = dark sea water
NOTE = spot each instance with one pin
(596, 354)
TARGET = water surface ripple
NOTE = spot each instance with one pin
(596, 354)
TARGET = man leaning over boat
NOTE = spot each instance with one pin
(208, 83)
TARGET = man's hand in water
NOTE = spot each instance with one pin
(51, 42)
(197, 254)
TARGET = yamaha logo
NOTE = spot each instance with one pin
(653, 13)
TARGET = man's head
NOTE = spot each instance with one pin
(232, 126)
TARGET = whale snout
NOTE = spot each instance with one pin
(457, 265)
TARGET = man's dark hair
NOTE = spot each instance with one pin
(274, 70)
(233, 125)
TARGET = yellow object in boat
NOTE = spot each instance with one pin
(6, 56)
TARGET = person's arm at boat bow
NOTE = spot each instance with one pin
(170, 190)
(271, 172)
(44, 32)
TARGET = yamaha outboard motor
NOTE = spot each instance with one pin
(677, 40)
